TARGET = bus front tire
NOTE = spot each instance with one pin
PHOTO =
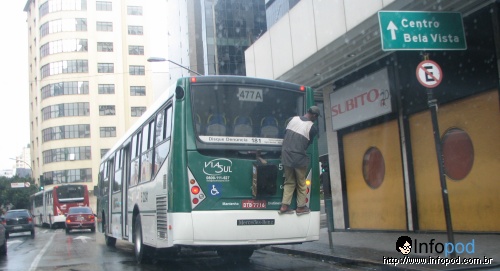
(142, 252)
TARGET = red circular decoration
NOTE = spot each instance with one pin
(373, 167)
(458, 153)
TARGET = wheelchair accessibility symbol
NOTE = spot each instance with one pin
(215, 190)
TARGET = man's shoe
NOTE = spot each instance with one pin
(285, 209)
(302, 210)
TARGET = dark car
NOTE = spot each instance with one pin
(3, 238)
(19, 220)
(80, 218)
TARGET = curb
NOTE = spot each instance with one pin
(337, 259)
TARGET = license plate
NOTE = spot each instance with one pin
(254, 222)
(253, 204)
(80, 218)
(17, 227)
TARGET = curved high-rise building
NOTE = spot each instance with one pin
(89, 80)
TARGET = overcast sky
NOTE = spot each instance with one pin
(14, 92)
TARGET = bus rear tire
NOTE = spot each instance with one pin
(3, 248)
(142, 252)
(110, 241)
(236, 254)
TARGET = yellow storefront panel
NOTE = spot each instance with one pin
(474, 200)
(382, 207)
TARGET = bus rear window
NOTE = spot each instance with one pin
(243, 114)
(70, 193)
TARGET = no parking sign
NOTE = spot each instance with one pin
(429, 74)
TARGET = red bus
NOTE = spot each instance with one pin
(50, 206)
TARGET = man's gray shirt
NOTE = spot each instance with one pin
(299, 134)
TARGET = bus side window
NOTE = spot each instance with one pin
(100, 180)
(135, 161)
(117, 183)
(163, 143)
(105, 183)
(147, 152)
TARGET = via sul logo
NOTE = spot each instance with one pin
(218, 166)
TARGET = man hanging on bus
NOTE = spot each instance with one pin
(299, 134)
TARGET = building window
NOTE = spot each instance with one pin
(65, 88)
(63, 46)
(108, 131)
(83, 175)
(107, 110)
(136, 70)
(135, 30)
(103, 152)
(59, 5)
(106, 88)
(65, 110)
(135, 50)
(137, 91)
(134, 10)
(105, 67)
(67, 154)
(104, 47)
(104, 6)
(104, 26)
(63, 25)
(138, 111)
(65, 66)
(66, 132)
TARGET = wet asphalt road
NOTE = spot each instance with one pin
(82, 251)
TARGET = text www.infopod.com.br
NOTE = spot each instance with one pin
(437, 260)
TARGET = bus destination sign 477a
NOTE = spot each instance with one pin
(419, 30)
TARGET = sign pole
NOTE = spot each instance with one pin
(432, 103)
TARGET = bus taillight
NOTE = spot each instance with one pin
(302, 88)
(195, 190)
(197, 194)
(193, 79)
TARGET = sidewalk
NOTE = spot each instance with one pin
(372, 247)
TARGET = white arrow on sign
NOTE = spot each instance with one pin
(83, 238)
(392, 27)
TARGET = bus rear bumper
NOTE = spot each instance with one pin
(256, 228)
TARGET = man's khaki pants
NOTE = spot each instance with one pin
(295, 178)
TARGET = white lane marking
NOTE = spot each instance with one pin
(34, 265)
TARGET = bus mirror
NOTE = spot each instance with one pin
(96, 190)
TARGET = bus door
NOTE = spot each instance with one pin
(116, 195)
(125, 172)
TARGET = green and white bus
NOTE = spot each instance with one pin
(201, 169)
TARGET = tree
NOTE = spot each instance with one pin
(18, 198)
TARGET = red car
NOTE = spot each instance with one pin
(80, 218)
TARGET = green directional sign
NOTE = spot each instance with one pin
(421, 30)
